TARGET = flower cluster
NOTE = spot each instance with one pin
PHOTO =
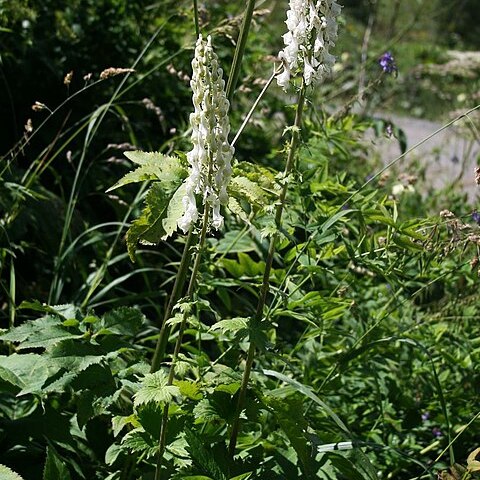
(387, 63)
(312, 30)
(210, 158)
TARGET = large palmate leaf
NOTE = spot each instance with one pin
(152, 166)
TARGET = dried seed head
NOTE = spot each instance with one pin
(112, 72)
(29, 126)
(211, 155)
(447, 214)
(477, 175)
(38, 106)
(68, 78)
(312, 30)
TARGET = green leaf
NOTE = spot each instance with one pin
(175, 211)
(112, 453)
(189, 389)
(155, 389)
(153, 166)
(148, 227)
(245, 189)
(41, 333)
(203, 457)
(121, 321)
(236, 325)
(405, 242)
(197, 477)
(55, 468)
(140, 441)
(289, 413)
(308, 393)
(243, 476)
(27, 370)
(8, 474)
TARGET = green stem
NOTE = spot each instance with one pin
(191, 288)
(178, 286)
(240, 49)
(257, 318)
(195, 12)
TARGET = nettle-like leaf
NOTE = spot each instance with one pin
(8, 474)
(202, 457)
(158, 219)
(152, 166)
(121, 321)
(189, 389)
(139, 441)
(41, 333)
(175, 211)
(238, 326)
(155, 389)
(27, 372)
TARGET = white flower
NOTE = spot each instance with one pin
(211, 155)
(312, 30)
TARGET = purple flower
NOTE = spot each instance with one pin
(387, 62)
(436, 432)
(476, 217)
(425, 416)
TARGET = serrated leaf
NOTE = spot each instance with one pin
(121, 321)
(41, 333)
(149, 225)
(8, 474)
(205, 411)
(153, 166)
(175, 211)
(140, 441)
(236, 325)
(155, 389)
(55, 468)
(244, 188)
(66, 311)
(189, 389)
(202, 457)
(26, 370)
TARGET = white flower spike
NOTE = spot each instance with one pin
(211, 155)
(312, 30)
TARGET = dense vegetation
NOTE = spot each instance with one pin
(365, 349)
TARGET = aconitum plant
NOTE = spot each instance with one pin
(210, 158)
(312, 30)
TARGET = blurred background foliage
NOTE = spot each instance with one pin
(390, 334)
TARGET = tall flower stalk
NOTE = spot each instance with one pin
(312, 30)
(210, 165)
(209, 175)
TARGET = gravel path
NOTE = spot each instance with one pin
(449, 155)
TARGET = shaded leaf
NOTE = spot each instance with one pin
(155, 389)
(55, 467)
